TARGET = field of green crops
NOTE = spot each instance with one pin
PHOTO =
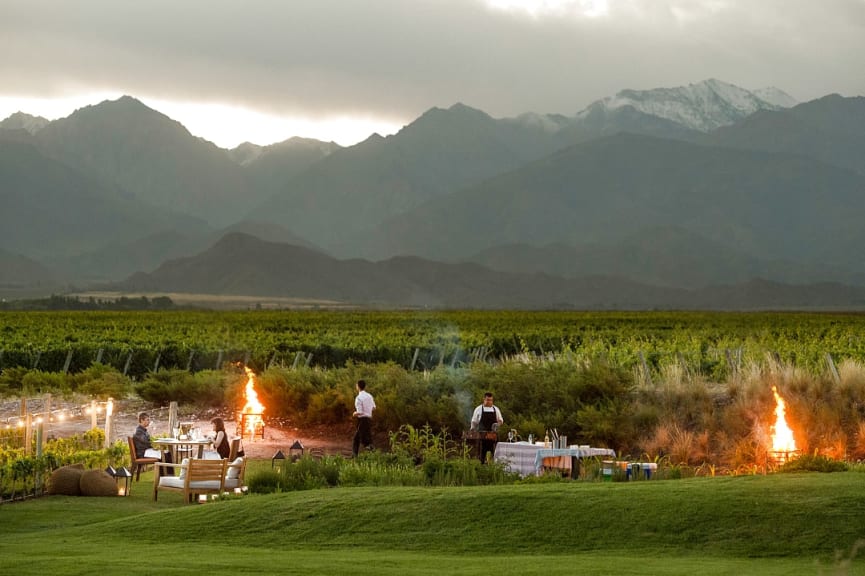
(710, 343)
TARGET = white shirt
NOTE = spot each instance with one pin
(476, 417)
(364, 404)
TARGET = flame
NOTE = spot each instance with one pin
(783, 443)
(252, 406)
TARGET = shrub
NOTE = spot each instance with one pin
(264, 482)
(814, 463)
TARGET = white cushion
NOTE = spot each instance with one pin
(171, 481)
(184, 464)
(205, 484)
(234, 469)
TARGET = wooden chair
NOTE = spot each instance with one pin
(235, 475)
(197, 476)
(235, 448)
(317, 453)
(138, 463)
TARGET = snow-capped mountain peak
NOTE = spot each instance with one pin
(704, 106)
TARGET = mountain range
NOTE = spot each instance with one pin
(702, 196)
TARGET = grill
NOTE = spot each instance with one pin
(476, 435)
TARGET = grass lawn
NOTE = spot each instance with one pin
(792, 524)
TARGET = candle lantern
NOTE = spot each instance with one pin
(278, 456)
(121, 477)
(296, 451)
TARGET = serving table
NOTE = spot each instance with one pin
(531, 459)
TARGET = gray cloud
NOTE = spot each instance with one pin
(397, 58)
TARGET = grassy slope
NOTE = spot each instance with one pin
(783, 524)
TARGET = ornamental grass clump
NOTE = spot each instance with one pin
(97, 483)
(66, 480)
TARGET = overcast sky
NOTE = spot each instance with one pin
(265, 70)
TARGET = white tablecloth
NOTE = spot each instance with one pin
(526, 459)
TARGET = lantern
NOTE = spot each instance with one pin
(120, 475)
(296, 451)
(278, 456)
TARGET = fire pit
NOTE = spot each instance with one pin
(783, 456)
(252, 424)
(251, 420)
(784, 447)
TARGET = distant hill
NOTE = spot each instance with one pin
(270, 168)
(23, 121)
(679, 188)
(51, 210)
(241, 264)
(151, 158)
(145, 254)
(771, 206)
(668, 256)
(702, 107)
(830, 129)
(22, 277)
(356, 188)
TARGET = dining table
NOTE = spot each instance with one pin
(181, 447)
(531, 459)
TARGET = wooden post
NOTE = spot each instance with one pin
(38, 483)
(414, 359)
(246, 358)
(189, 362)
(156, 364)
(28, 433)
(218, 361)
(109, 421)
(173, 421)
(272, 359)
(48, 411)
(482, 354)
(36, 360)
(646, 374)
(93, 421)
(683, 363)
(456, 357)
(68, 361)
(128, 363)
(308, 359)
(833, 369)
(99, 355)
(39, 437)
(296, 360)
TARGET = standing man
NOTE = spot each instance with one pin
(487, 418)
(363, 407)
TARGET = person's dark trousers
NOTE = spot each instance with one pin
(487, 446)
(166, 457)
(363, 436)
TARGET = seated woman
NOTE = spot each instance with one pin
(221, 443)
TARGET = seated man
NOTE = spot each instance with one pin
(141, 439)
